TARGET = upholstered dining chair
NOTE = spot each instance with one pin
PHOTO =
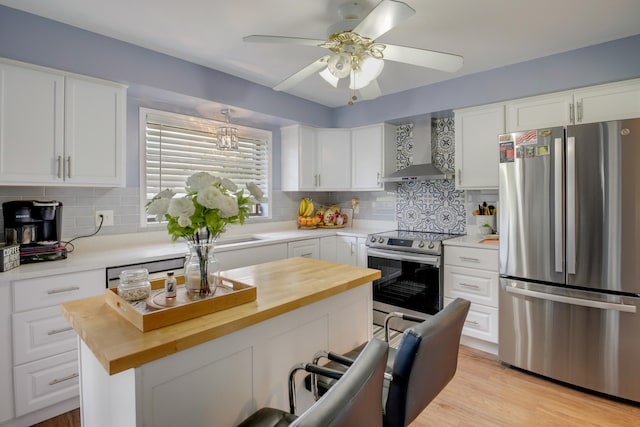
(423, 364)
(354, 400)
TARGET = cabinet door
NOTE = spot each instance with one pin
(540, 111)
(334, 159)
(328, 248)
(94, 133)
(6, 362)
(347, 250)
(617, 101)
(31, 125)
(367, 145)
(477, 152)
(304, 248)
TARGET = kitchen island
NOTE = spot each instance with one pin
(219, 368)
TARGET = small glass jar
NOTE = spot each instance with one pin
(134, 284)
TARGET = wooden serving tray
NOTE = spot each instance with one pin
(230, 293)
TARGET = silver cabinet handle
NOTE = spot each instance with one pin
(378, 178)
(352, 248)
(557, 201)
(571, 115)
(61, 290)
(63, 379)
(59, 162)
(579, 112)
(59, 331)
(572, 300)
(469, 285)
(468, 259)
(69, 167)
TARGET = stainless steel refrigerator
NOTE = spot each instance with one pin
(570, 254)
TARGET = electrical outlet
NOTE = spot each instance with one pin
(107, 218)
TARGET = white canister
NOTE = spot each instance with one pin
(486, 224)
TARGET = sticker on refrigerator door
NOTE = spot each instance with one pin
(527, 138)
(520, 152)
(530, 151)
(506, 152)
(542, 150)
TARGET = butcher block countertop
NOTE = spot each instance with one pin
(282, 286)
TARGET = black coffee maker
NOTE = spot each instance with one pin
(37, 227)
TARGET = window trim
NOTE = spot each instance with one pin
(177, 119)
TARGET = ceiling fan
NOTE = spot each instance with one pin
(354, 52)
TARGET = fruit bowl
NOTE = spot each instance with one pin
(308, 222)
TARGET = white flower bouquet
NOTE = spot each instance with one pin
(209, 205)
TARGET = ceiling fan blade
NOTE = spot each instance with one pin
(279, 39)
(423, 58)
(386, 15)
(371, 91)
(299, 76)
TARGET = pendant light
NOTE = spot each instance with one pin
(227, 135)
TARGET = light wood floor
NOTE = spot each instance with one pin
(486, 393)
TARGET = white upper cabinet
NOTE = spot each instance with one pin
(60, 129)
(316, 159)
(333, 150)
(31, 126)
(373, 155)
(477, 151)
(94, 132)
(615, 101)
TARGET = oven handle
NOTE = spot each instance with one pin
(430, 260)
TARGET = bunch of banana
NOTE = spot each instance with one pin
(306, 207)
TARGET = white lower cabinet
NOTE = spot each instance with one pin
(363, 261)
(309, 248)
(251, 256)
(472, 274)
(45, 357)
(45, 382)
(347, 250)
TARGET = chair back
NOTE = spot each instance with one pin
(425, 362)
(356, 399)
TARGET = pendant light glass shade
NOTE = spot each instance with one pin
(227, 135)
(339, 65)
(329, 78)
(370, 69)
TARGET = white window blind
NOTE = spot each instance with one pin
(177, 146)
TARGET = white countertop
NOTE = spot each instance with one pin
(122, 249)
(481, 241)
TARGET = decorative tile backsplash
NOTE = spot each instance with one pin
(434, 206)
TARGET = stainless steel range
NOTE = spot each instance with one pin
(412, 281)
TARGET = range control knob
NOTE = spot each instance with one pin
(421, 244)
(373, 239)
(432, 245)
(381, 240)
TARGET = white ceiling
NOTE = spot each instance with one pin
(487, 33)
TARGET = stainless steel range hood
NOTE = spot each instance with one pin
(421, 172)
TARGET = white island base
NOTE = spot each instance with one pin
(222, 381)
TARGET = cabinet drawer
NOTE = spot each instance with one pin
(480, 286)
(53, 290)
(486, 259)
(45, 382)
(41, 333)
(481, 322)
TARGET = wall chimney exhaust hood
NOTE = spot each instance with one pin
(417, 148)
(421, 172)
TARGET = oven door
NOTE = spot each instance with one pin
(410, 283)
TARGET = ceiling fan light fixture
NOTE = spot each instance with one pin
(329, 78)
(370, 69)
(227, 135)
(339, 65)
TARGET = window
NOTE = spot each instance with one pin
(174, 146)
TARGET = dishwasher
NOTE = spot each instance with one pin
(157, 270)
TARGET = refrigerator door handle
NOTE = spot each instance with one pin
(571, 205)
(571, 300)
(558, 196)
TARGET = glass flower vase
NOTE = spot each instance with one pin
(201, 270)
